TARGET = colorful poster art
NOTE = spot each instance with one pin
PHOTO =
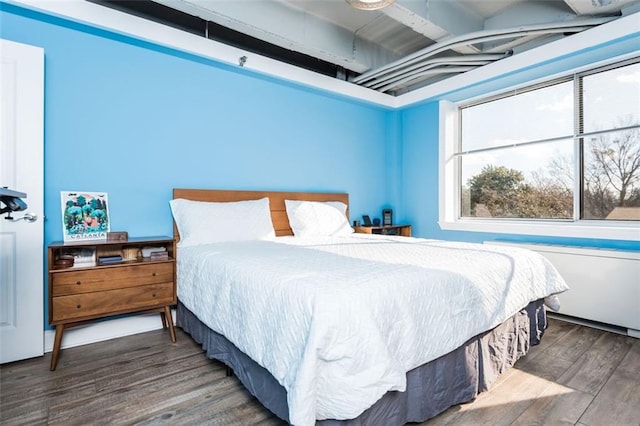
(85, 215)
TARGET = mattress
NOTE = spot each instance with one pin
(304, 309)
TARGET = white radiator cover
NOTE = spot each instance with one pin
(604, 283)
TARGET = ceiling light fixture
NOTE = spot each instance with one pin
(370, 4)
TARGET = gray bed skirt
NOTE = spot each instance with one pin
(454, 378)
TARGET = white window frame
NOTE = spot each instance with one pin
(449, 194)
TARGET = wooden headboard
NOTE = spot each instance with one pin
(276, 202)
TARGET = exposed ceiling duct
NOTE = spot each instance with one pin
(424, 64)
(405, 45)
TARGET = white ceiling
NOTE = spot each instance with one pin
(411, 43)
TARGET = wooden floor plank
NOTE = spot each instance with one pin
(32, 412)
(146, 371)
(593, 368)
(224, 409)
(504, 404)
(145, 379)
(618, 403)
(117, 402)
(574, 344)
(630, 365)
(557, 405)
(544, 365)
(556, 331)
(204, 400)
(250, 416)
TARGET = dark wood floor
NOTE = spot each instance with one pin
(577, 375)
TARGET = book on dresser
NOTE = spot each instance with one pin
(82, 256)
(149, 252)
(105, 260)
(159, 255)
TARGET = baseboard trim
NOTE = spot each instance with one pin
(105, 330)
(595, 324)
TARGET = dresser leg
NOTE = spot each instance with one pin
(56, 347)
(169, 318)
(163, 317)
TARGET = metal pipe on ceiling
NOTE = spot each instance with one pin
(435, 62)
(372, 78)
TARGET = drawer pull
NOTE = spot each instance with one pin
(77, 282)
(78, 306)
(154, 295)
(153, 275)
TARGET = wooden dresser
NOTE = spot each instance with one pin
(87, 291)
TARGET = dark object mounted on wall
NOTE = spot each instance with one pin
(387, 217)
(11, 201)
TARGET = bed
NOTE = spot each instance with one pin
(324, 326)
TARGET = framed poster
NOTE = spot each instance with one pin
(85, 215)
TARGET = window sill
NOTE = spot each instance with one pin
(608, 231)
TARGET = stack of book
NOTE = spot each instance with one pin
(155, 253)
(159, 255)
(107, 260)
(83, 257)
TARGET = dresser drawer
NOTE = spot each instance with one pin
(121, 276)
(92, 305)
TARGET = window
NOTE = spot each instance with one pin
(609, 118)
(566, 152)
(507, 155)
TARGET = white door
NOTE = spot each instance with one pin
(21, 169)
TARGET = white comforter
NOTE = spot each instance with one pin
(339, 321)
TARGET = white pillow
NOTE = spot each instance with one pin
(317, 219)
(201, 222)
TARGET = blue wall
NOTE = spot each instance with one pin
(135, 120)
